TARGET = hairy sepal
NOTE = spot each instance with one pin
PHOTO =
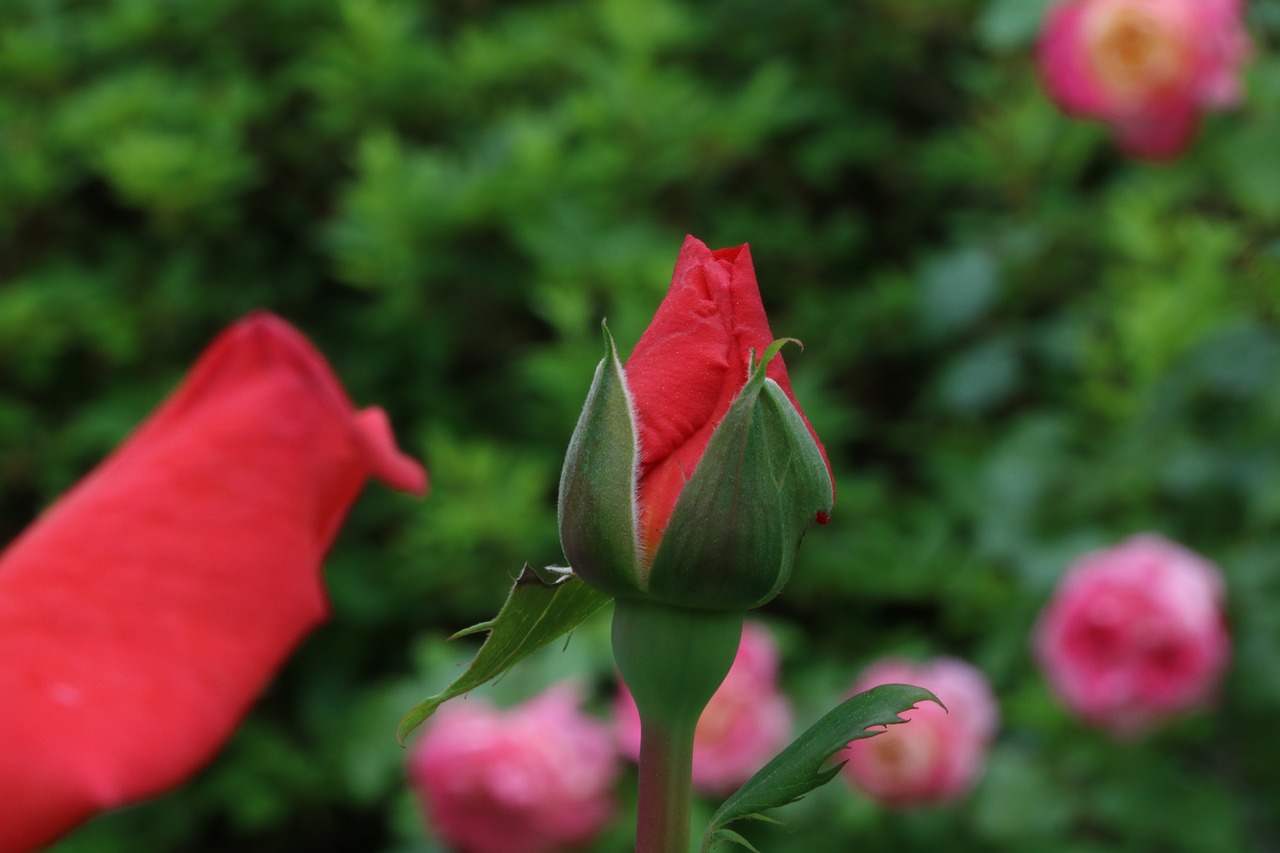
(733, 536)
(597, 508)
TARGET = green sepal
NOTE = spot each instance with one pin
(597, 509)
(542, 606)
(732, 538)
(799, 769)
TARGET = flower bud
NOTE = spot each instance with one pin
(692, 475)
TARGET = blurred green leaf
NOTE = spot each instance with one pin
(1008, 24)
(980, 378)
(957, 290)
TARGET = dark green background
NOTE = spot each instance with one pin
(1019, 346)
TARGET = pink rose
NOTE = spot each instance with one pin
(533, 779)
(1148, 68)
(145, 610)
(746, 723)
(939, 754)
(1134, 633)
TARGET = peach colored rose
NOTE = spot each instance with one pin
(1148, 68)
(746, 723)
(939, 754)
(532, 779)
(1134, 634)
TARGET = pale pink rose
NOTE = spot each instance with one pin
(1148, 68)
(1135, 634)
(938, 755)
(745, 724)
(533, 779)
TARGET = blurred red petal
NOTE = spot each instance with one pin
(144, 611)
(389, 465)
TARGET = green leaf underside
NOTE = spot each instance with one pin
(597, 508)
(737, 525)
(799, 768)
(730, 835)
(540, 608)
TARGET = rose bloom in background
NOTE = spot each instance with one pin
(1135, 634)
(745, 724)
(532, 779)
(144, 611)
(1148, 68)
(939, 754)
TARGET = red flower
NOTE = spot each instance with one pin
(142, 614)
(688, 368)
(692, 474)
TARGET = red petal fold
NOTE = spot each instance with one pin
(145, 610)
(688, 367)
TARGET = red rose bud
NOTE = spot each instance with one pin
(144, 611)
(692, 474)
(690, 365)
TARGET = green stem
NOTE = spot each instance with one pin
(672, 659)
(666, 769)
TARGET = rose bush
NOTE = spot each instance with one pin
(1134, 634)
(1148, 68)
(692, 474)
(939, 755)
(143, 612)
(745, 723)
(533, 779)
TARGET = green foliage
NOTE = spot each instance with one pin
(1019, 346)
(799, 769)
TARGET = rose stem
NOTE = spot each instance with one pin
(672, 659)
(666, 768)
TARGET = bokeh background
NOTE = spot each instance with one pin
(1019, 346)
